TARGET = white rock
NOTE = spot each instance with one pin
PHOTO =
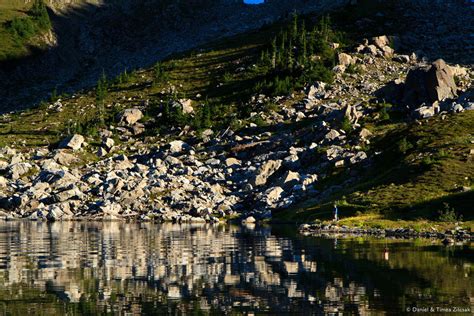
(74, 142)
(131, 116)
(178, 146)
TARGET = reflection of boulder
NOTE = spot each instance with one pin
(429, 84)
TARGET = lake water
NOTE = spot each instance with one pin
(80, 268)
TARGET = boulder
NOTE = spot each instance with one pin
(111, 209)
(17, 170)
(317, 90)
(72, 192)
(232, 162)
(456, 108)
(101, 152)
(178, 146)
(371, 50)
(64, 158)
(381, 41)
(387, 52)
(289, 179)
(265, 171)
(131, 116)
(3, 165)
(74, 142)
(273, 195)
(345, 59)
(360, 156)
(403, 59)
(108, 143)
(332, 135)
(187, 106)
(249, 220)
(425, 111)
(3, 182)
(137, 129)
(365, 133)
(352, 114)
(429, 84)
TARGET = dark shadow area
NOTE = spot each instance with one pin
(119, 35)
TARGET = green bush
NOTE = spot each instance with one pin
(160, 74)
(23, 27)
(404, 145)
(448, 214)
(39, 12)
(36, 21)
(346, 125)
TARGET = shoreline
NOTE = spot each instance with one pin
(447, 237)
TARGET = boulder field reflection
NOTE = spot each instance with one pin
(118, 268)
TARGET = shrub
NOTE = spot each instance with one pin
(346, 125)
(37, 21)
(160, 74)
(39, 12)
(353, 69)
(23, 27)
(448, 214)
(227, 77)
(404, 145)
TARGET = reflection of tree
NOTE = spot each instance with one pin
(120, 267)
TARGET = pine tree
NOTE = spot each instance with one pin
(303, 45)
(290, 60)
(100, 95)
(40, 13)
(274, 53)
(294, 29)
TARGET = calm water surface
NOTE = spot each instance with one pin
(132, 269)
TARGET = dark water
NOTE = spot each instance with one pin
(133, 269)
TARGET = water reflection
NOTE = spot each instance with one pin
(133, 269)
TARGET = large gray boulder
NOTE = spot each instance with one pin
(73, 142)
(429, 84)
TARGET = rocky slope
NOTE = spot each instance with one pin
(405, 117)
(250, 173)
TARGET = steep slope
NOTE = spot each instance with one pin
(118, 35)
(245, 125)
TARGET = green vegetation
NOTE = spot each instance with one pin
(421, 170)
(160, 74)
(17, 29)
(448, 214)
(296, 57)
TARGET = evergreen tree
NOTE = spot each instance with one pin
(100, 95)
(40, 12)
(274, 53)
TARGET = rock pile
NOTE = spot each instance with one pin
(225, 174)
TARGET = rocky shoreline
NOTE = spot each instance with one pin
(447, 237)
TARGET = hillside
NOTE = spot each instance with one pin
(89, 37)
(280, 123)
